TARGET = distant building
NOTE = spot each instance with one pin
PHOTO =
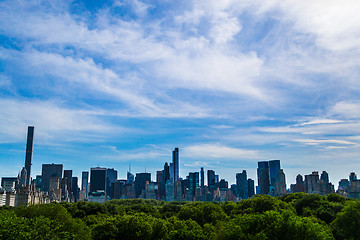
(97, 180)
(85, 183)
(263, 177)
(280, 183)
(251, 187)
(211, 180)
(28, 156)
(175, 158)
(242, 189)
(111, 177)
(50, 171)
(140, 182)
(312, 184)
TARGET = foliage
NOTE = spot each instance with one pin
(347, 222)
(293, 216)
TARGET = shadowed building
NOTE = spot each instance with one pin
(263, 177)
(50, 171)
(29, 151)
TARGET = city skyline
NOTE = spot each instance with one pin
(230, 83)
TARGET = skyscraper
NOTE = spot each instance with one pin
(263, 177)
(175, 157)
(251, 187)
(28, 156)
(50, 171)
(111, 177)
(274, 166)
(140, 182)
(85, 181)
(202, 175)
(211, 179)
(98, 180)
(242, 189)
(193, 182)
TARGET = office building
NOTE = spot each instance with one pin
(111, 177)
(98, 181)
(85, 182)
(50, 171)
(242, 185)
(274, 166)
(263, 177)
(140, 182)
(211, 179)
(280, 183)
(251, 187)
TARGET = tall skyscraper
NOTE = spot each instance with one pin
(312, 184)
(242, 188)
(29, 151)
(263, 177)
(98, 180)
(74, 189)
(251, 187)
(111, 177)
(175, 157)
(193, 182)
(211, 179)
(280, 183)
(67, 181)
(50, 171)
(202, 175)
(166, 172)
(140, 182)
(85, 181)
(274, 166)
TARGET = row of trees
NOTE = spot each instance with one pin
(293, 216)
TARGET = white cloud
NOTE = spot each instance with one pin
(218, 151)
(51, 121)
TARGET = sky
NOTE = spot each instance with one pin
(121, 83)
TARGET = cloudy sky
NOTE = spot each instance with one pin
(119, 82)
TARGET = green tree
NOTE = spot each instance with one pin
(347, 222)
(202, 212)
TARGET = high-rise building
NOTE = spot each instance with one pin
(352, 176)
(67, 184)
(111, 177)
(175, 158)
(211, 179)
(74, 189)
(85, 182)
(161, 184)
(312, 184)
(280, 183)
(251, 187)
(130, 177)
(29, 151)
(98, 180)
(263, 177)
(193, 182)
(140, 182)
(325, 177)
(274, 166)
(202, 175)
(242, 185)
(23, 177)
(50, 171)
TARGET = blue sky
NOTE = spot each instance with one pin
(108, 83)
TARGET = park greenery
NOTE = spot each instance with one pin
(292, 216)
